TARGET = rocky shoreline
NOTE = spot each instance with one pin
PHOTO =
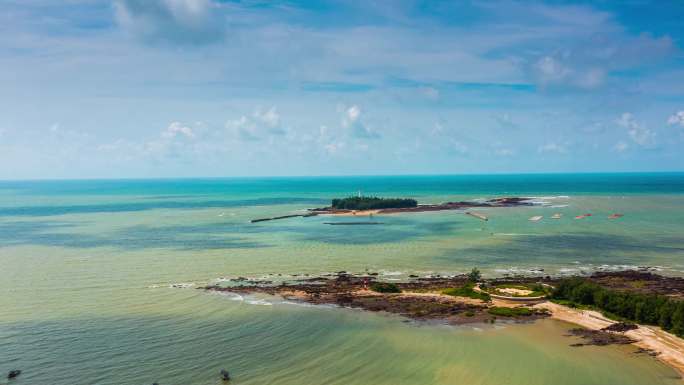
(419, 299)
(424, 299)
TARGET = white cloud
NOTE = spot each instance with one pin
(258, 126)
(176, 129)
(639, 134)
(352, 120)
(458, 147)
(551, 70)
(621, 146)
(353, 113)
(269, 117)
(172, 21)
(437, 129)
(333, 148)
(676, 119)
(504, 152)
(553, 147)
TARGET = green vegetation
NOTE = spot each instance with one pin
(510, 311)
(649, 309)
(469, 313)
(385, 287)
(474, 275)
(467, 291)
(372, 203)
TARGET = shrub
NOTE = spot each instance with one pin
(468, 292)
(474, 275)
(510, 311)
(385, 287)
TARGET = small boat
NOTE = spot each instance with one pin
(536, 218)
(583, 216)
(556, 216)
(615, 216)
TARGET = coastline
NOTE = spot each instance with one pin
(665, 346)
(426, 299)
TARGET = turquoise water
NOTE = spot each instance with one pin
(87, 268)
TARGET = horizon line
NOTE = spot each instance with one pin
(56, 179)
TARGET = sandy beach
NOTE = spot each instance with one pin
(668, 347)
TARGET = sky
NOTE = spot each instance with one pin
(209, 88)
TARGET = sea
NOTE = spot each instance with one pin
(99, 278)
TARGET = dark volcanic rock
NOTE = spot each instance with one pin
(599, 337)
(13, 374)
(351, 291)
(620, 327)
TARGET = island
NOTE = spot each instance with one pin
(371, 205)
(628, 307)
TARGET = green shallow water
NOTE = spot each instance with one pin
(87, 266)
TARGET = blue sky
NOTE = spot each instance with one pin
(177, 88)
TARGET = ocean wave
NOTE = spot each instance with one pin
(230, 296)
(520, 270)
(260, 302)
(515, 234)
(552, 197)
(392, 273)
(182, 285)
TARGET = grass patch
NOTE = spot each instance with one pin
(385, 287)
(510, 311)
(468, 292)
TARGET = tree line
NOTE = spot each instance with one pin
(372, 203)
(648, 309)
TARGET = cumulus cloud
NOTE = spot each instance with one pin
(352, 120)
(504, 152)
(639, 134)
(588, 63)
(553, 147)
(558, 70)
(550, 70)
(621, 146)
(178, 129)
(333, 148)
(676, 119)
(172, 21)
(259, 125)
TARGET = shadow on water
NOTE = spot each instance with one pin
(392, 229)
(213, 236)
(40, 211)
(221, 235)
